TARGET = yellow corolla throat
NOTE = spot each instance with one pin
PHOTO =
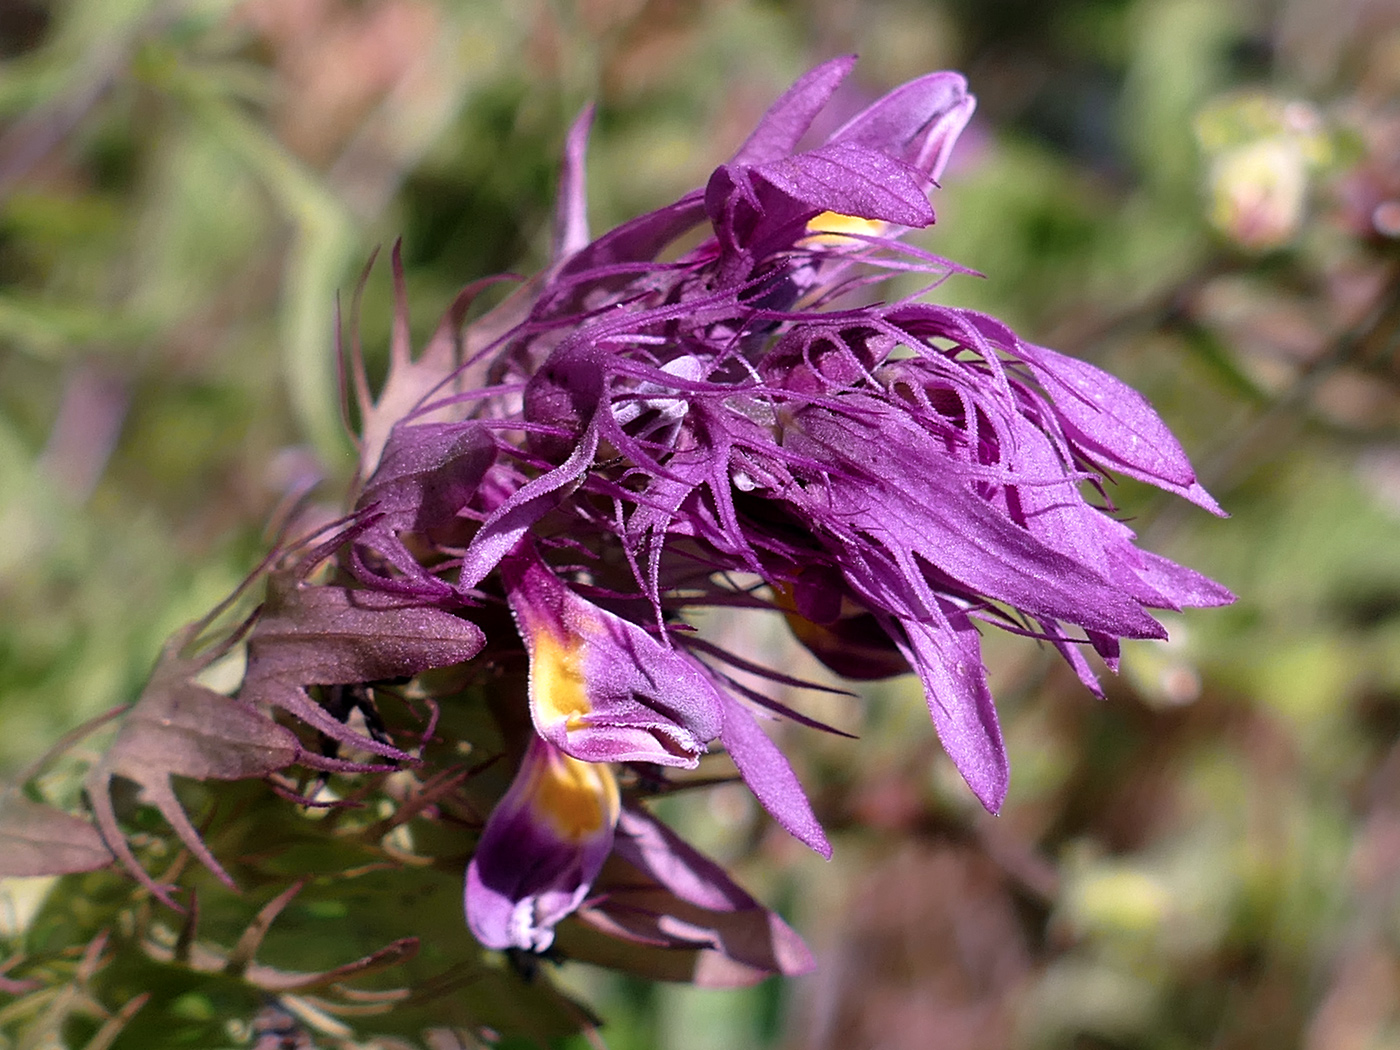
(558, 689)
(576, 799)
(832, 229)
(813, 635)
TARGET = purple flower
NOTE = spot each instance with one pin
(604, 690)
(627, 437)
(544, 845)
(601, 688)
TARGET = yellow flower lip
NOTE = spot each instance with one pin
(558, 688)
(832, 229)
(577, 800)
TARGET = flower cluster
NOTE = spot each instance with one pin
(703, 407)
(646, 424)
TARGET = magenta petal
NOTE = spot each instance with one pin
(883, 506)
(918, 122)
(571, 209)
(853, 180)
(508, 523)
(1072, 650)
(948, 659)
(428, 472)
(769, 776)
(1116, 424)
(681, 915)
(788, 119)
(544, 845)
(641, 238)
(1186, 587)
(763, 942)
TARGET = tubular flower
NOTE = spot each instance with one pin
(544, 845)
(601, 688)
(627, 435)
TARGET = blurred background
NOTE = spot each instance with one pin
(1202, 196)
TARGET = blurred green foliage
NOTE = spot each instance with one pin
(1210, 858)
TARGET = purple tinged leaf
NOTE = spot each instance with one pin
(947, 656)
(507, 525)
(1116, 425)
(428, 472)
(766, 771)
(663, 855)
(409, 381)
(641, 239)
(788, 119)
(324, 635)
(1057, 515)
(571, 205)
(687, 918)
(878, 167)
(1186, 587)
(295, 700)
(918, 122)
(880, 493)
(852, 179)
(436, 369)
(36, 839)
(1073, 652)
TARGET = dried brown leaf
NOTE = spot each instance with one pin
(326, 635)
(36, 839)
(181, 728)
